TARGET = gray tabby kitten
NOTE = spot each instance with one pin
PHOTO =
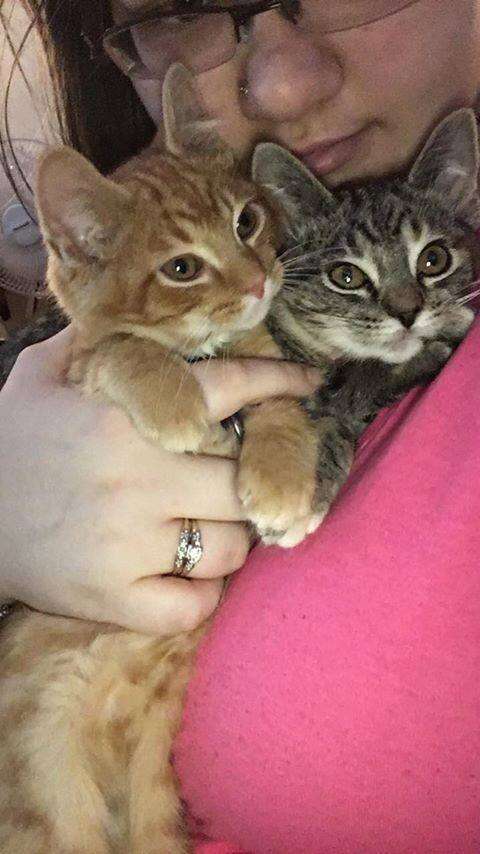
(376, 283)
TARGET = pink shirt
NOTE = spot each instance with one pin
(336, 703)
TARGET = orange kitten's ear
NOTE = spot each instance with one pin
(188, 129)
(82, 214)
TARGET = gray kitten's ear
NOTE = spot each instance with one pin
(295, 187)
(187, 128)
(449, 164)
(82, 214)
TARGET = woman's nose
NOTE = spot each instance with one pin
(286, 73)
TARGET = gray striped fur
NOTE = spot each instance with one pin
(382, 227)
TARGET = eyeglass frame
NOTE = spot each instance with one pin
(240, 14)
(96, 36)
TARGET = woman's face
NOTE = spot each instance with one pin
(352, 104)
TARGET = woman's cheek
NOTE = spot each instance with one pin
(427, 51)
(387, 65)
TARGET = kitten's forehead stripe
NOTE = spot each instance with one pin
(373, 220)
(208, 201)
(148, 181)
(396, 221)
(201, 197)
(415, 242)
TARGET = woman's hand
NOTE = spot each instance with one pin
(90, 514)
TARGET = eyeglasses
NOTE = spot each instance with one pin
(203, 36)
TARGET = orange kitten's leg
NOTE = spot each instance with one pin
(155, 811)
(277, 471)
(88, 720)
(49, 801)
(278, 460)
(154, 386)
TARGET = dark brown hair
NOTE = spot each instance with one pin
(98, 110)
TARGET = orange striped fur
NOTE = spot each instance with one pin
(88, 713)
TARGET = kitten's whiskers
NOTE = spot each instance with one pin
(314, 253)
(468, 297)
(288, 252)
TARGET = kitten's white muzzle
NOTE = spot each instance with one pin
(257, 309)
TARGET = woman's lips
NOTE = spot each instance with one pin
(328, 157)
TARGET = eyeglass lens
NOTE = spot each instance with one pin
(202, 42)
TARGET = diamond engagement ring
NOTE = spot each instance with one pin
(190, 550)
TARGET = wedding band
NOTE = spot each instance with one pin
(236, 423)
(189, 550)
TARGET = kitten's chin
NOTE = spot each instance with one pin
(402, 347)
(392, 352)
(400, 353)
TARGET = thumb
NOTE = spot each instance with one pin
(229, 386)
(54, 353)
(42, 359)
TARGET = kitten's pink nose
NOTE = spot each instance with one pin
(256, 285)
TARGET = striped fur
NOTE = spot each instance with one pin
(88, 713)
(399, 328)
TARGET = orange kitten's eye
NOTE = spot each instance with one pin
(248, 221)
(185, 268)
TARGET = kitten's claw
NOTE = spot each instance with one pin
(177, 438)
(274, 513)
(295, 534)
(287, 524)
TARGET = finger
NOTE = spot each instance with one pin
(56, 354)
(206, 488)
(60, 342)
(166, 606)
(228, 386)
(225, 548)
(169, 486)
(49, 358)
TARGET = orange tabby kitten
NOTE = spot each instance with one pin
(172, 258)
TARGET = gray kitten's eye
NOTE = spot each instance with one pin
(348, 276)
(248, 221)
(185, 268)
(434, 260)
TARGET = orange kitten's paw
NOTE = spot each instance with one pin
(278, 501)
(296, 533)
(177, 437)
(277, 480)
(220, 443)
(177, 427)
